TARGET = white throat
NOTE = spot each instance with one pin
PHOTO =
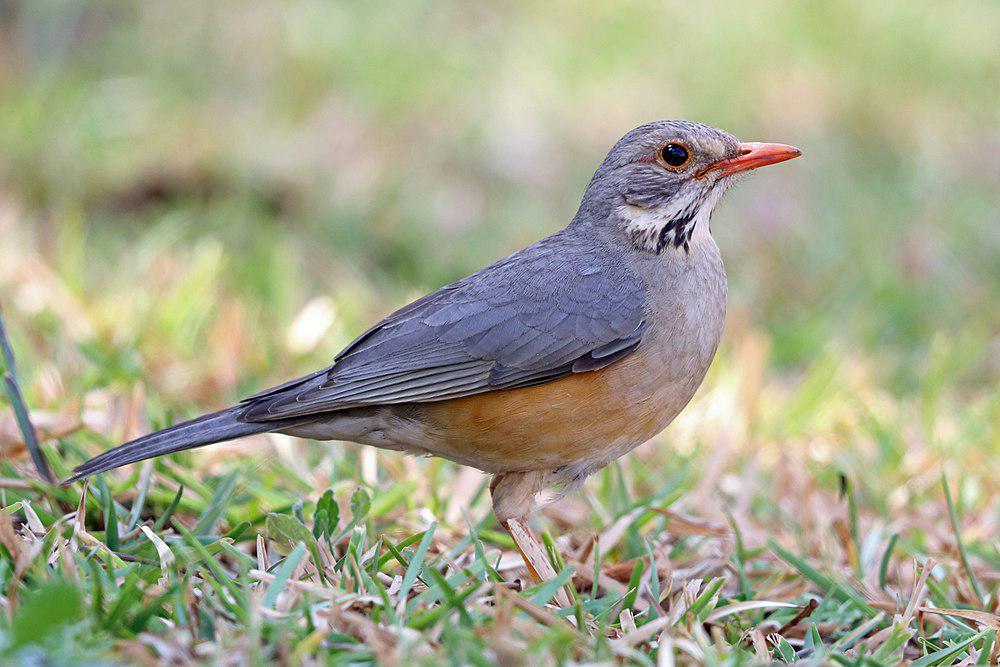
(674, 227)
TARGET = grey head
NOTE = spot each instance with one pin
(662, 180)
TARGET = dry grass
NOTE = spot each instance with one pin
(199, 200)
(779, 517)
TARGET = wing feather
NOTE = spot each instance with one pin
(564, 305)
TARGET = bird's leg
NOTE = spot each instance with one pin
(513, 499)
(520, 534)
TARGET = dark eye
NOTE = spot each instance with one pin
(675, 155)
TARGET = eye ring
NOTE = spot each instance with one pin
(675, 155)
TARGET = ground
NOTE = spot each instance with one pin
(198, 202)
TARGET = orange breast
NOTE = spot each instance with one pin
(586, 417)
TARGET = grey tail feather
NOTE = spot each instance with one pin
(205, 430)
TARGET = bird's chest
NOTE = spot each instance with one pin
(686, 312)
(581, 422)
(685, 322)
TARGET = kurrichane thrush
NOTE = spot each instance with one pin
(547, 365)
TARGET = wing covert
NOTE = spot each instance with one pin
(558, 307)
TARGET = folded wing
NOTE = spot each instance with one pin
(558, 307)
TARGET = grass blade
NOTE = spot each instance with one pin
(140, 498)
(946, 655)
(208, 518)
(826, 584)
(545, 591)
(21, 413)
(953, 516)
(110, 521)
(171, 508)
(282, 575)
(883, 569)
(416, 564)
(452, 599)
(708, 595)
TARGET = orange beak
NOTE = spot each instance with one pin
(751, 156)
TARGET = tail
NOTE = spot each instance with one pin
(205, 430)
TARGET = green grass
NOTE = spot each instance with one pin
(198, 202)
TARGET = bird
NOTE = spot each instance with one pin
(545, 366)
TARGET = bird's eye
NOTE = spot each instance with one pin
(675, 155)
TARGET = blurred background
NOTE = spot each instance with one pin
(200, 199)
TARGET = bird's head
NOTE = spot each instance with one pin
(660, 182)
